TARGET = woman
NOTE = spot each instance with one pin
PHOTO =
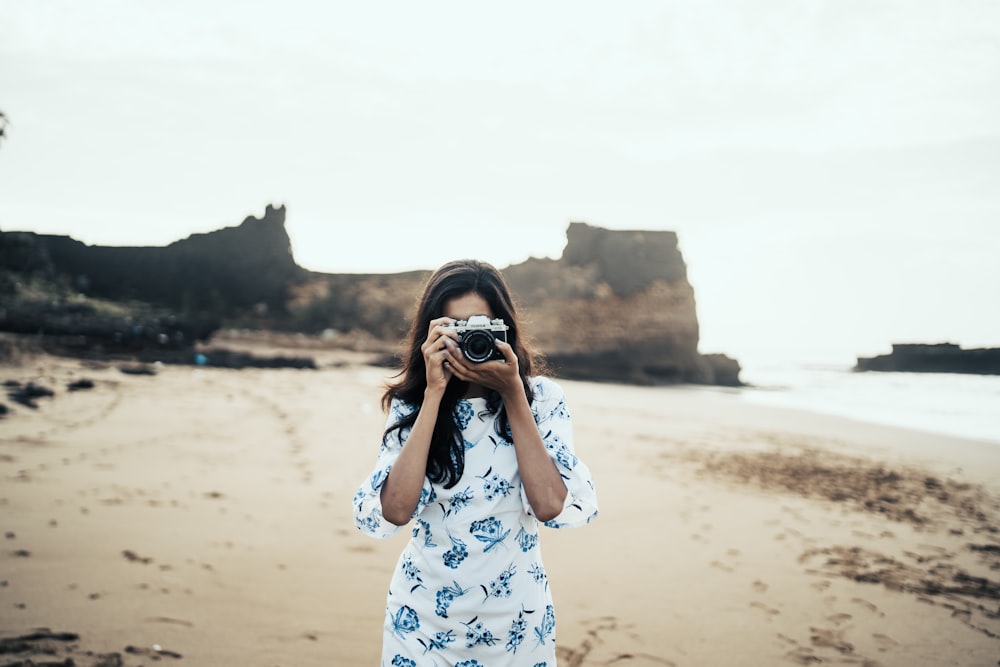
(477, 454)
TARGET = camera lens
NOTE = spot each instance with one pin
(478, 346)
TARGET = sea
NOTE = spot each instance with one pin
(955, 404)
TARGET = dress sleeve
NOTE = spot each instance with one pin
(556, 428)
(368, 499)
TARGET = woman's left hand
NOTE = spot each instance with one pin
(500, 376)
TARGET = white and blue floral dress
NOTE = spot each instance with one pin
(470, 589)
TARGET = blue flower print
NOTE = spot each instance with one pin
(494, 486)
(489, 531)
(459, 501)
(463, 414)
(566, 458)
(405, 620)
(478, 634)
(526, 540)
(446, 596)
(371, 522)
(560, 411)
(453, 557)
(400, 410)
(426, 527)
(469, 663)
(537, 573)
(427, 496)
(412, 572)
(548, 625)
(378, 478)
(505, 442)
(439, 641)
(400, 661)
(500, 587)
(517, 629)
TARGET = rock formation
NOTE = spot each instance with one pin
(934, 358)
(224, 273)
(616, 306)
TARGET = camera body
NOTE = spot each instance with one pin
(477, 337)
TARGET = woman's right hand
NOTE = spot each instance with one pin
(438, 370)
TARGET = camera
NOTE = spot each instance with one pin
(477, 337)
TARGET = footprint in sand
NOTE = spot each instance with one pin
(884, 642)
(759, 586)
(867, 605)
(803, 656)
(578, 656)
(839, 619)
(823, 638)
(770, 611)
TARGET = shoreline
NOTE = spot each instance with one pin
(207, 512)
(946, 404)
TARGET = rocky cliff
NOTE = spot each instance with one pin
(616, 306)
(934, 358)
(223, 273)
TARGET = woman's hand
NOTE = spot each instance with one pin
(435, 353)
(500, 376)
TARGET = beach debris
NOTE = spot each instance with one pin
(4, 409)
(133, 557)
(32, 640)
(25, 394)
(109, 660)
(45, 648)
(902, 495)
(155, 652)
(138, 369)
(986, 548)
(82, 383)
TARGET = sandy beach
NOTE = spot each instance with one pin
(202, 517)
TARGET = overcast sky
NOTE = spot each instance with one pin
(831, 167)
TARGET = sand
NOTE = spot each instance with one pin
(202, 516)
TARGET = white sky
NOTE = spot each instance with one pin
(831, 167)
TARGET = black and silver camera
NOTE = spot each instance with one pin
(477, 337)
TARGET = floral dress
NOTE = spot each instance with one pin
(470, 589)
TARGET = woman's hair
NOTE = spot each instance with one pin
(446, 458)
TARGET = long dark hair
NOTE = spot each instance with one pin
(446, 458)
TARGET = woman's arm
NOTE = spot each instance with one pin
(401, 490)
(542, 482)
